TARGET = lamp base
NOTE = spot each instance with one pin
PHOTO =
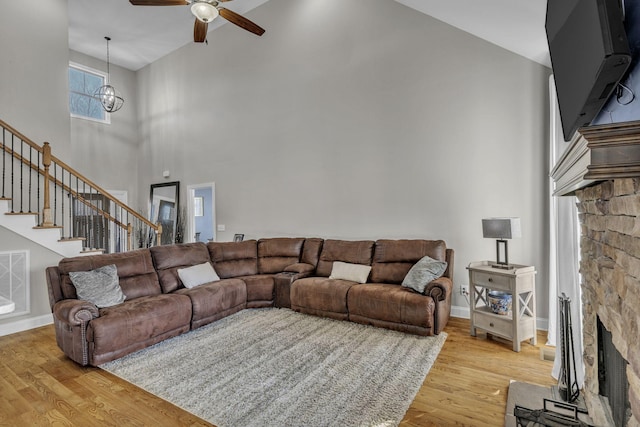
(503, 266)
(499, 262)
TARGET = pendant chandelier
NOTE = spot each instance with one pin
(110, 100)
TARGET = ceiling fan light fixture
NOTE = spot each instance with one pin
(205, 12)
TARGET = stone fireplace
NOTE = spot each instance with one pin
(601, 166)
(610, 268)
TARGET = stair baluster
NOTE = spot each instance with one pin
(12, 174)
(40, 223)
(21, 179)
(4, 161)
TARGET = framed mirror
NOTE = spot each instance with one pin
(164, 205)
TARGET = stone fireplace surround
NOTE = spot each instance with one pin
(610, 268)
(601, 167)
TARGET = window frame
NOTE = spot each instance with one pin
(89, 70)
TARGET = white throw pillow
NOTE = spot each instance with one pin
(197, 275)
(353, 272)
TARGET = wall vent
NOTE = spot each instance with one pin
(14, 281)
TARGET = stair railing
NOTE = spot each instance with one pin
(35, 182)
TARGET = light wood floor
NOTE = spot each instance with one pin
(39, 386)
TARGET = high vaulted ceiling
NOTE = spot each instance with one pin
(141, 35)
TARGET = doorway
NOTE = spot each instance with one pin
(201, 213)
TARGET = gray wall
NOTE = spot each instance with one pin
(34, 100)
(377, 121)
(39, 259)
(33, 71)
(107, 153)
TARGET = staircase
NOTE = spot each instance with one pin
(46, 201)
(26, 225)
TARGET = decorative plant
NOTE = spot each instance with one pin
(181, 224)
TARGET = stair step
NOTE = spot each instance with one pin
(21, 213)
(72, 239)
(47, 227)
(92, 251)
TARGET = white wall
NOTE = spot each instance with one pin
(358, 120)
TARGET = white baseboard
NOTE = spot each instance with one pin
(465, 313)
(25, 324)
(460, 311)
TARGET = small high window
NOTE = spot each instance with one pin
(83, 82)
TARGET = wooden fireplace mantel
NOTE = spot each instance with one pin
(598, 153)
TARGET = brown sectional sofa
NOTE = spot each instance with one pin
(281, 272)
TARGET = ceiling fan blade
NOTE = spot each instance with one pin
(241, 21)
(158, 2)
(200, 31)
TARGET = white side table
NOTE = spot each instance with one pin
(519, 281)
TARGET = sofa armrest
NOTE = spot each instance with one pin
(439, 289)
(299, 267)
(75, 312)
(283, 283)
(70, 317)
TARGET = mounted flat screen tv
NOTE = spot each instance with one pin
(589, 55)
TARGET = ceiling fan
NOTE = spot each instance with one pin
(205, 11)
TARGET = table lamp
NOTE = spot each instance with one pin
(501, 229)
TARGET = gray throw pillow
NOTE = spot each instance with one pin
(424, 272)
(99, 286)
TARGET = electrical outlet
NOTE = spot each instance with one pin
(463, 290)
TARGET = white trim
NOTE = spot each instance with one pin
(461, 312)
(191, 227)
(25, 324)
(14, 275)
(105, 77)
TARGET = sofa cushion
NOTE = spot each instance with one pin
(260, 288)
(277, 253)
(354, 252)
(100, 286)
(391, 303)
(423, 272)
(138, 320)
(234, 259)
(311, 251)
(136, 274)
(197, 275)
(320, 295)
(392, 259)
(169, 258)
(215, 300)
(353, 272)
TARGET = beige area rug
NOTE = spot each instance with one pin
(276, 367)
(530, 396)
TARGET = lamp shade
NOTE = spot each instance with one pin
(501, 228)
